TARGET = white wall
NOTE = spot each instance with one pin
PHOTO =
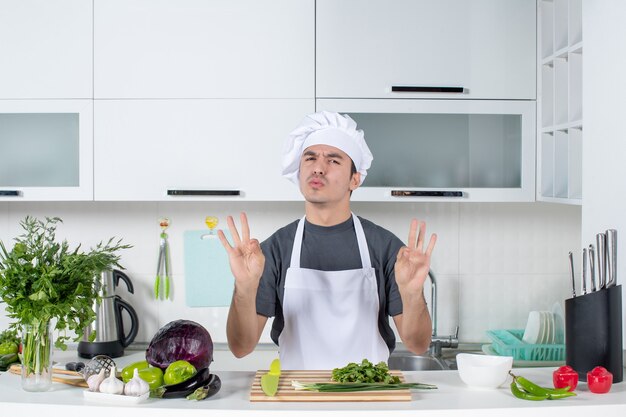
(495, 262)
(604, 156)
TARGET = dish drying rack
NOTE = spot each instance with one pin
(510, 343)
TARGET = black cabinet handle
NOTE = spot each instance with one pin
(425, 89)
(10, 193)
(214, 193)
(412, 193)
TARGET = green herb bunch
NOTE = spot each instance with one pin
(42, 280)
(365, 372)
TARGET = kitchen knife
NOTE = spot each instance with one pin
(583, 285)
(611, 252)
(601, 265)
(592, 268)
(571, 270)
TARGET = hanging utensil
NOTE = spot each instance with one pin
(571, 270)
(592, 268)
(601, 242)
(163, 264)
(611, 252)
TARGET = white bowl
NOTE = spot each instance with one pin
(483, 371)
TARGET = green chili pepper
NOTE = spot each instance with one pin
(528, 390)
(525, 395)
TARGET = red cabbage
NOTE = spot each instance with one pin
(180, 340)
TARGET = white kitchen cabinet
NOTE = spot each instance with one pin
(46, 49)
(484, 48)
(46, 150)
(445, 150)
(560, 114)
(204, 48)
(146, 150)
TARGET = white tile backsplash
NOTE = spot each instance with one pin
(494, 262)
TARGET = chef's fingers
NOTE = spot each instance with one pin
(245, 229)
(224, 241)
(233, 230)
(412, 234)
(420, 236)
(431, 244)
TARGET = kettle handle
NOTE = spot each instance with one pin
(117, 275)
(134, 321)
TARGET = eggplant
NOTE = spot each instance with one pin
(182, 389)
(207, 391)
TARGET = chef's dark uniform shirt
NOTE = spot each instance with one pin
(331, 248)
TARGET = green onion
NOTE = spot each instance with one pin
(359, 386)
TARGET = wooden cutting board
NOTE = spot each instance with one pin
(287, 393)
(77, 381)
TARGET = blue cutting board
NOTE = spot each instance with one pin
(208, 279)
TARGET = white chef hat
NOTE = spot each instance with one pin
(325, 128)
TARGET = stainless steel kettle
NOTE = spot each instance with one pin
(111, 339)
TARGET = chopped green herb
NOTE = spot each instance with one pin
(365, 372)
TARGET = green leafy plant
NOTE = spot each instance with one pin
(43, 280)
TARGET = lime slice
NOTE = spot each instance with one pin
(269, 384)
(275, 367)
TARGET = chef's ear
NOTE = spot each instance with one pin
(355, 181)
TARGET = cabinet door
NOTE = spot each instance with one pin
(145, 148)
(485, 47)
(445, 150)
(204, 49)
(46, 49)
(46, 150)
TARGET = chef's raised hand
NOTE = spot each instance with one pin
(413, 261)
(245, 257)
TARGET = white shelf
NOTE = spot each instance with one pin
(560, 129)
(575, 124)
(570, 201)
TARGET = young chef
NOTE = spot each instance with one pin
(330, 279)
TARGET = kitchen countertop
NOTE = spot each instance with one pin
(452, 398)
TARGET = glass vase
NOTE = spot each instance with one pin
(37, 356)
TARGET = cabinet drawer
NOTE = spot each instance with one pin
(484, 48)
(188, 150)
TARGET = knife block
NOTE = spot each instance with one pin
(593, 332)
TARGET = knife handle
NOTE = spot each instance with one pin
(592, 267)
(601, 242)
(571, 270)
(583, 285)
(611, 252)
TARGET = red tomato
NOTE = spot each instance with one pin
(599, 380)
(565, 376)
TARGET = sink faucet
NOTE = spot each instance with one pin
(439, 342)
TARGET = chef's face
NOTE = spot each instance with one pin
(326, 175)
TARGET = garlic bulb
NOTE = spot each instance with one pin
(112, 385)
(94, 381)
(136, 387)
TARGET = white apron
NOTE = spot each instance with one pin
(331, 317)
